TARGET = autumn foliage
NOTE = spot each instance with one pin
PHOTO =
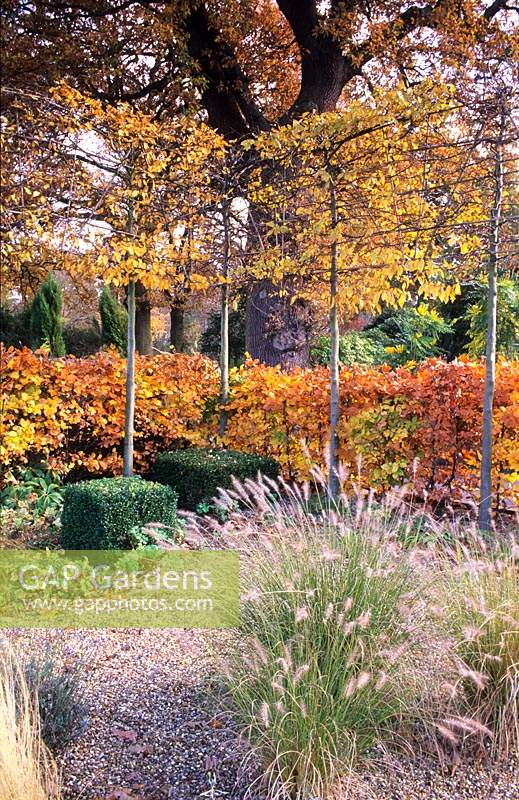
(70, 411)
(421, 421)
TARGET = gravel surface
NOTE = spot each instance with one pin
(406, 779)
(154, 729)
(155, 732)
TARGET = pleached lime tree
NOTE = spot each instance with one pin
(226, 236)
(488, 103)
(357, 205)
(485, 500)
(147, 184)
(493, 112)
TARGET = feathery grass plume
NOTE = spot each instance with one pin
(482, 616)
(27, 769)
(333, 589)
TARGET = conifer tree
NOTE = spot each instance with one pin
(114, 320)
(45, 320)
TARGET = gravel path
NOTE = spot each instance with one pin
(406, 779)
(154, 730)
(155, 733)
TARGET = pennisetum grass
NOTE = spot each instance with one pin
(332, 614)
(482, 617)
(365, 623)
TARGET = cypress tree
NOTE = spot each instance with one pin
(114, 321)
(45, 318)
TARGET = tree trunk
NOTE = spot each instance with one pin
(177, 332)
(485, 494)
(333, 453)
(143, 341)
(129, 413)
(276, 331)
(224, 325)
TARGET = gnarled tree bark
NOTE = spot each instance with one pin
(276, 330)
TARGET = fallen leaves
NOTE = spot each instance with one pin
(125, 735)
(130, 737)
(122, 794)
(141, 749)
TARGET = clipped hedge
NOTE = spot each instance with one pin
(99, 514)
(419, 423)
(196, 474)
(69, 412)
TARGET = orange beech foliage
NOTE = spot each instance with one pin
(70, 411)
(421, 421)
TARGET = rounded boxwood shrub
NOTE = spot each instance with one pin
(100, 514)
(196, 474)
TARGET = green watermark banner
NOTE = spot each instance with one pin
(145, 588)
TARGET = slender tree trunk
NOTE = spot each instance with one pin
(224, 324)
(143, 341)
(177, 337)
(333, 458)
(485, 494)
(129, 416)
(129, 407)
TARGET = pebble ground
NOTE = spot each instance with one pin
(155, 732)
(423, 779)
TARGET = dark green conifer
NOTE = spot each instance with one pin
(45, 318)
(114, 321)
